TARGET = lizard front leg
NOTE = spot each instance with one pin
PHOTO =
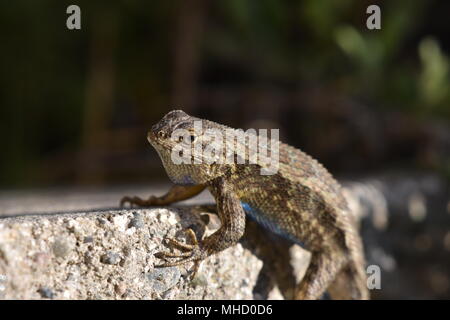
(232, 228)
(176, 193)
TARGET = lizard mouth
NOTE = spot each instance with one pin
(150, 137)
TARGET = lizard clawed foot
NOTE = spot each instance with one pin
(193, 253)
(136, 201)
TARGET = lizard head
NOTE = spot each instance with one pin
(180, 141)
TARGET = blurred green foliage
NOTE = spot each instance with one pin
(434, 78)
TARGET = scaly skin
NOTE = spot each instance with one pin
(301, 202)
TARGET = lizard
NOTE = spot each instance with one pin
(301, 201)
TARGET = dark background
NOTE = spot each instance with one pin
(75, 105)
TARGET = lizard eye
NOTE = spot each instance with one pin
(161, 134)
(180, 139)
(192, 138)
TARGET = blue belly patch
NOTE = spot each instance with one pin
(184, 180)
(266, 223)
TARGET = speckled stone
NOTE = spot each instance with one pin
(110, 255)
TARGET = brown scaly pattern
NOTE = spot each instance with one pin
(301, 202)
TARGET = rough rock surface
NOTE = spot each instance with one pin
(69, 252)
(110, 255)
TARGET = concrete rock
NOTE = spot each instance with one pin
(76, 244)
(110, 255)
